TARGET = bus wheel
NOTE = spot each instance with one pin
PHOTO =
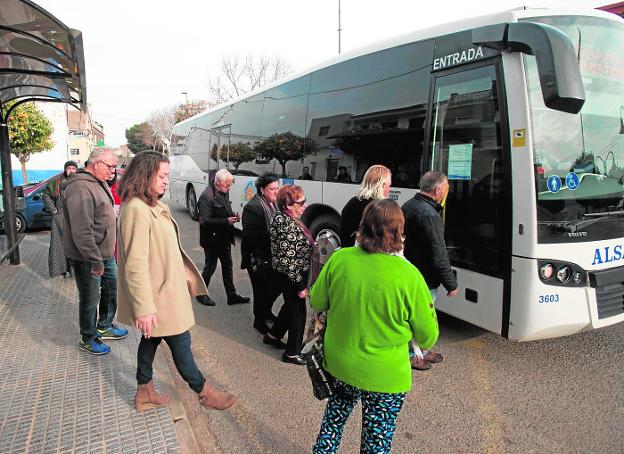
(191, 204)
(325, 231)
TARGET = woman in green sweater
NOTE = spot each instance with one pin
(376, 302)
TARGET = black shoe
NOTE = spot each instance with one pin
(297, 359)
(271, 318)
(205, 300)
(261, 327)
(237, 299)
(277, 343)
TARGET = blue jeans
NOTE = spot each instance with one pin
(95, 292)
(180, 346)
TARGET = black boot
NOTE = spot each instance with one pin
(237, 299)
(205, 300)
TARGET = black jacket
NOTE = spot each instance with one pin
(214, 228)
(424, 241)
(256, 239)
(350, 220)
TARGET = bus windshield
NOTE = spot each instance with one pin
(579, 158)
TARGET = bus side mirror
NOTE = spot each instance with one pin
(557, 63)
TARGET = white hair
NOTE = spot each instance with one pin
(223, 175)
(97, 153)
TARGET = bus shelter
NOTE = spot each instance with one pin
(41, 59)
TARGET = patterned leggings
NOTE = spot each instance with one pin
(379, 413)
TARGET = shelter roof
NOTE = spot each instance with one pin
(40, 57)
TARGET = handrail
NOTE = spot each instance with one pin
(12, 248)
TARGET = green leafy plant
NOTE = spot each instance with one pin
(30, 132)
(285, 147)
(239, 152)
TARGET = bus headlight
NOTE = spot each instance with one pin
(567, 274)
(546, 271)
(577, 277)
(564, 273)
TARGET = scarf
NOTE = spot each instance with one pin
(269, 210)
(54, 186)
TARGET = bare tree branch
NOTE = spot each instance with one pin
(239, 76)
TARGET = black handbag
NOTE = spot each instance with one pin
(261, 266)
(322, 382)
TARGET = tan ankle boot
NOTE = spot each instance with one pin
(213, 398)
(147, 397)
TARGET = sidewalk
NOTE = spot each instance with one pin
(56, 398)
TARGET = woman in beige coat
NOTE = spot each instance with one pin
(156, 281)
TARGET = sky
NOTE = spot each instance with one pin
(141, 55)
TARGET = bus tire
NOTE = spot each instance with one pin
(326, 231)
(191, 203)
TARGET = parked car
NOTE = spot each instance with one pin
(32, 215)
(19, 207)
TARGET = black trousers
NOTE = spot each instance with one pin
(265, 292)
(291, 318)
(223, 253)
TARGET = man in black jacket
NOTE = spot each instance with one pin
(425, 246)
(216, 235)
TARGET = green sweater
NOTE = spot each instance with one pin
(375, 304)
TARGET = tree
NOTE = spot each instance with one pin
(139, 137)
(239, 152)
(189, 109)
(285, 147)
(30, 132)
(240, 75)
(161, 123)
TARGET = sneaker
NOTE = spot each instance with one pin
(419, 363)
(94, 346)
(112, 332)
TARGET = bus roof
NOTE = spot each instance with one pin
(507, 16)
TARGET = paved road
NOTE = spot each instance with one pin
(489, 395)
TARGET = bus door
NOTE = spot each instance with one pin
(467, 145)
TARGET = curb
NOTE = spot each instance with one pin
(183, 428)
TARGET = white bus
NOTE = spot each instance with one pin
(523, 110)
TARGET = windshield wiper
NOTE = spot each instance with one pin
(579, 224)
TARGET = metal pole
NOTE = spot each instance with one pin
(185, 96)
(8, 192)
(339, 28)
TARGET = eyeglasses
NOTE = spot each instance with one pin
(110, 166)
(300, 202)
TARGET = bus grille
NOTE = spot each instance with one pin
(609, 285)
(610, 299)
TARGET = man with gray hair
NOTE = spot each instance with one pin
(216, 235)
(425, 247)
(89, 243)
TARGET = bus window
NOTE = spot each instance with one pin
(466, 146)
(371, 110)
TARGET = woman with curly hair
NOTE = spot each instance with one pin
(293, 256)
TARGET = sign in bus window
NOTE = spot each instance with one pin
(460, 161)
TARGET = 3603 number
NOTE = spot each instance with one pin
(548, 298)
